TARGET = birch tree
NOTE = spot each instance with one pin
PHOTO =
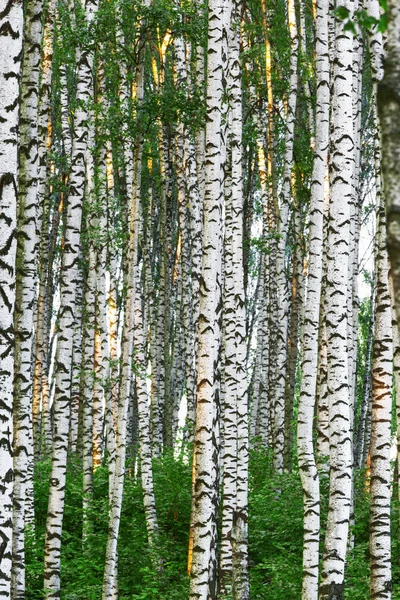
(69, 280)
(11, 27)
(234, 515)
(110, 579)
(307, 463)
(282, 317)
(341, 172)
(203, 574)
(25, 284)
(388, 105)
(381, 418)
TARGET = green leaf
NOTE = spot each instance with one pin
(349, 26)
(383, 23)
(341, 12)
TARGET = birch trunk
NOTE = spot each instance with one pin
(296, 309)
(228, 394)
(87, 387)
(76, 383)
(360, 438)
(283, 300)
(44, 140)
(256, 386)
(110, 578)
(381, 418)
(389, 115)
(68, 282)
(396, 377)
(240, 576)
(322, 425)
(25, 286)
(312, 310)
(203, 584)
(341, 459)
(146, 467)
(190, 222)
(11, 25)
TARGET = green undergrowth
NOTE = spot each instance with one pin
(275, 535)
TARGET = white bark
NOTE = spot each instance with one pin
(278, 401)
(205, 456)
(25, 285)
(110, 578)
(67, 319)
(381, 418)
(341, 459)
(241, 588)
(375, 40)
(306, 456)
(11, 23)
(389, 115)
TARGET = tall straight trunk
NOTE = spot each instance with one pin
(278, 401)
(312, 310)
(381, 418)
(200, 143)
(145, 449)
(45, 97)
(365, 463)
(322, 408)
(112, 395)
(163, 429)
(88, 348)
(228, 390)
(268, 424)
(306, 83)
(256, 386)
(359, 443)
(182, 353)
(203, 572)
(47, 283)
(263, 421)
(125, 101)
(68, 281)
(389, 115)
(195, 227)
(195, 170)
(110, 578)
(11, 25)
(43, 198)
(40, 369)
(76, 404)
(161, 406)
(109, 335)
(49, 223)
(65, 120)
(270, 215)
(396, 378)
(296, 309)
(375, 42)
(190, 221)
(240, 575)
(87, 383)
(98, 396)
(353, 303)
(102, 368)
(341, 457)
(25, 291)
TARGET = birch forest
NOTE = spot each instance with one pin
(200, 299)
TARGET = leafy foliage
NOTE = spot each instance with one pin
(275, 534)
